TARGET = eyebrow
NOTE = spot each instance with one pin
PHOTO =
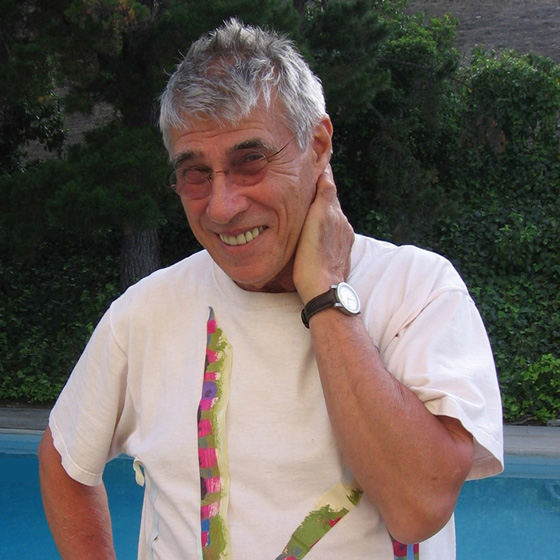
(252, 143)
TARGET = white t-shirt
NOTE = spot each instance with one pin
(137, 388)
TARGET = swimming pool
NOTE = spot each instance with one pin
(514, 516)
(24, 534)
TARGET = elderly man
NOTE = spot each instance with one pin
(294, 389)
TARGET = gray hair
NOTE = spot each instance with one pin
(229, 72)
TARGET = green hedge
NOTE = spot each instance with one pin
(48, 309)
(505, 239)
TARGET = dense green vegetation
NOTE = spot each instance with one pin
(461, 160)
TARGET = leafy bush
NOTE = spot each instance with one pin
(536, 392)
(505, 238)
(48, 309)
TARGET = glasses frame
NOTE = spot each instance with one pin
(209, 175)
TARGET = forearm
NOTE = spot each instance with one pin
(410, 463)
(78, 515)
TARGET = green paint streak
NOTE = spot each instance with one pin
(218, 538)
(314, 526)
(355, 496)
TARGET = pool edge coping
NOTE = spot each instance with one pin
(541, 441)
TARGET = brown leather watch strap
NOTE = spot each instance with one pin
(318, 303)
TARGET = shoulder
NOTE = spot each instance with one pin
(405, 267)
(166, 291)
(183, 275)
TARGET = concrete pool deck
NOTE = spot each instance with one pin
(543, 441)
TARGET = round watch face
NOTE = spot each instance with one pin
(348, 298)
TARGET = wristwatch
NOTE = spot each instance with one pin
(340, 296)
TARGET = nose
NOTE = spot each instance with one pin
(226, 200)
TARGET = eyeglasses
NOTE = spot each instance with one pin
(246, 167)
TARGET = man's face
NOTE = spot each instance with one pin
(251, 232)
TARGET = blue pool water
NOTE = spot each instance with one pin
(514, 516)
(24, 534)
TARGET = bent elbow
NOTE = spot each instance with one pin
(420, 523)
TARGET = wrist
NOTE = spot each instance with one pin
(315, 287)
(341, 297)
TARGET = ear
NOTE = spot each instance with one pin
(321, 144)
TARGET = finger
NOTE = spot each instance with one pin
(325, 182)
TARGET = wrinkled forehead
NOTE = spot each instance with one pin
(262, 129)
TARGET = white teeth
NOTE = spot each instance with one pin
(242, 238)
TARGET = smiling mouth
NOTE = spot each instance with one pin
(242, 238)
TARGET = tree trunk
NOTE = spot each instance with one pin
(139, 255)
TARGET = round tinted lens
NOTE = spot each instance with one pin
(248, 167)
(190, 182)
(191, 175)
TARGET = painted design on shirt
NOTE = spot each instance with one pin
(326, 513)
(406, 551)
(212, 445)
(214, 474)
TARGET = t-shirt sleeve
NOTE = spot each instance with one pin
(443, 355)
(87, 420)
